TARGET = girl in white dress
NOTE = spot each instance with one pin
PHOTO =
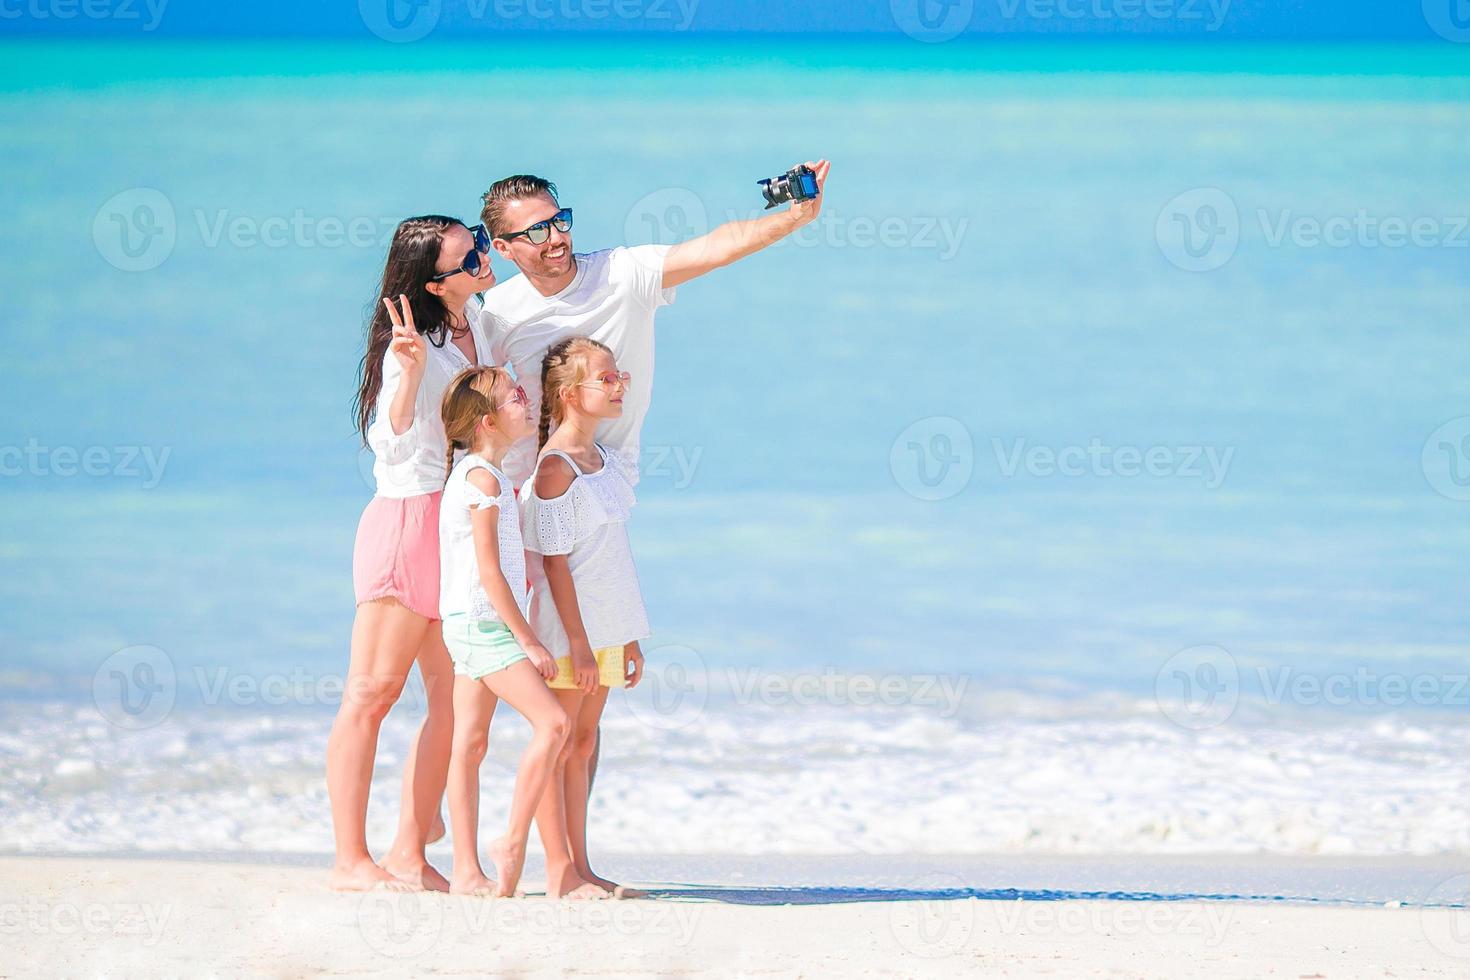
(585, 601)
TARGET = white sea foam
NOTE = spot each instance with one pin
(749, 773)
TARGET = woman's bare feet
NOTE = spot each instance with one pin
(475, 885)
(566, 883)
(365, 875)
(417, 872)
(510, 859)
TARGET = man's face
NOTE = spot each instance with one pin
(549, 260)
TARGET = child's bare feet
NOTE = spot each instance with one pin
(509, 859)
(364, 876)
(566, 883)
(611, 887)
(419, 872)
(475, 885)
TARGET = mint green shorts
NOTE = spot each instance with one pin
(479, 648)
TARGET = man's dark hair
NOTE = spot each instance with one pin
(508, 189)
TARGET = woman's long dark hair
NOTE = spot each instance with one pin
(412, 259)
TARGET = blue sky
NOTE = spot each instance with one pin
(933, 20)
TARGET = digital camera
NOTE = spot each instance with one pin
(796, 184)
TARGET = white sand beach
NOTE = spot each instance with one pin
(147, 917)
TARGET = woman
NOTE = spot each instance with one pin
(435, 268)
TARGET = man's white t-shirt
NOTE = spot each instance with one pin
(612, 298)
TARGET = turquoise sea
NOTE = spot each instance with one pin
(995, 253)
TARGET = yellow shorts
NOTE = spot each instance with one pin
(611, 670)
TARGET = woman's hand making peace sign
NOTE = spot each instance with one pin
(406, 345)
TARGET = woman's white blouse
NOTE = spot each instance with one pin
(460, 591)
(589, 524)
(412, 462)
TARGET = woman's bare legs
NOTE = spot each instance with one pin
(425, 768)
(562, 880)
(523, 688)
(474, 706)
(385, 638)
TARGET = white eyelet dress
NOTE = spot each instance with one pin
(589, 524)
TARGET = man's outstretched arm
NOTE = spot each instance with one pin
(736, 239)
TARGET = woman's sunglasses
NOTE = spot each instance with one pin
(473, 259)
(538, 233)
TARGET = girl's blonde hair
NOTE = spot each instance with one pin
(563, 368)
(470, 397)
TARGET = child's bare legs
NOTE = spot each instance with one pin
(385, 636)
(474, 706)
(578, 782)
(523, 688)
(426, 768)
(562, 880)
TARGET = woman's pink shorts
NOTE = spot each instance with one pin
(397, 552)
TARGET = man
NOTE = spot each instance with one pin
(609, 295)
